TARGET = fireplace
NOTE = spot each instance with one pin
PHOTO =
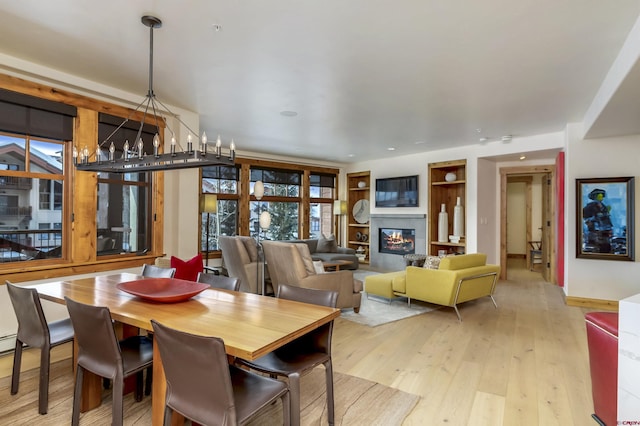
(397, 241)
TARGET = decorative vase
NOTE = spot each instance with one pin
(362, 184)
(458, 219)
(443, 225)
(450, 177)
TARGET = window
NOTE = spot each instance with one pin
(281, 199)
(222, 181)
(321, 193)
(32, 179)
(124, 200)
(32, 184)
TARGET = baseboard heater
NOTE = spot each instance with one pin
(7, 344)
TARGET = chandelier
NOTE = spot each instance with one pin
(134, 158)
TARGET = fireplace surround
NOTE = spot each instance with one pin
(393, 262)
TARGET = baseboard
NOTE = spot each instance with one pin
(606, 305)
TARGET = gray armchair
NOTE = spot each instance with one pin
(240, 255)
(290, 263)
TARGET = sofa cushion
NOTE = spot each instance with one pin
(432, 262)
(189, 269)
(306, 258)
(317, 265)
(251, 248)
(327, 244)
(453, 263)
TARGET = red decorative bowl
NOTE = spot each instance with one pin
(163, 290)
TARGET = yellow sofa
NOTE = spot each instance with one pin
(458, 279)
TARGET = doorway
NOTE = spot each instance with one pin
(545, 221)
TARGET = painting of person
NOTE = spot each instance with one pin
(597, 219)
(604, 217)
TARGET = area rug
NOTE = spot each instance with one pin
(357, 402)
(375, 311)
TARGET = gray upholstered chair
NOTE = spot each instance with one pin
(157, 272)
(291, 264)
(202, 386)
(303, 354)
(35, 332)
(219, 281)
(240, 255)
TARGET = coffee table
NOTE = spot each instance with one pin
(334, 265)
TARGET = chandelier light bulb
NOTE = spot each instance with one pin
(218, 147)
(189, 143)
(140, 147)
(203, 141)
(156, 144)
(173, 145)
(112, 150)
(125, 150)
(232, 148)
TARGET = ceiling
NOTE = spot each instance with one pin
(358, 76)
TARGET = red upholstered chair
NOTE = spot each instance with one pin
(602, 338)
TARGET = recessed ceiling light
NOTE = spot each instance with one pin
(391, 148)
(288, 113)
(217, 27)
(522, 157)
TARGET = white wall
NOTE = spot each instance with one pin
(608, 157)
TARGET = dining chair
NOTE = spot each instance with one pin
(154, 271)
(303, 354)
(34, 331)
(219, 281)
(100, 353)
(157, 272)
(205, 388)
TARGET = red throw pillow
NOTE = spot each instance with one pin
(187, 270)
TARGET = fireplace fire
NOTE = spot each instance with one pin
(397, 241)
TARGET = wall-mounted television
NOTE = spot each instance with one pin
(397, 192)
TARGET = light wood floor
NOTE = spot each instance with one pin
(525, 363)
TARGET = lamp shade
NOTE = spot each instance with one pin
(209, 203)
(258, 190)
(339, 207)
(265, 220)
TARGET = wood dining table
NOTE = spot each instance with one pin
(249, 324)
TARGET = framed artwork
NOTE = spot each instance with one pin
(604, 210)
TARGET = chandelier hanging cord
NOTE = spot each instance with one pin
(135, 159)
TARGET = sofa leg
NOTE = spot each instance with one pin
(356, 310)
(457, 313)
(494, 301)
